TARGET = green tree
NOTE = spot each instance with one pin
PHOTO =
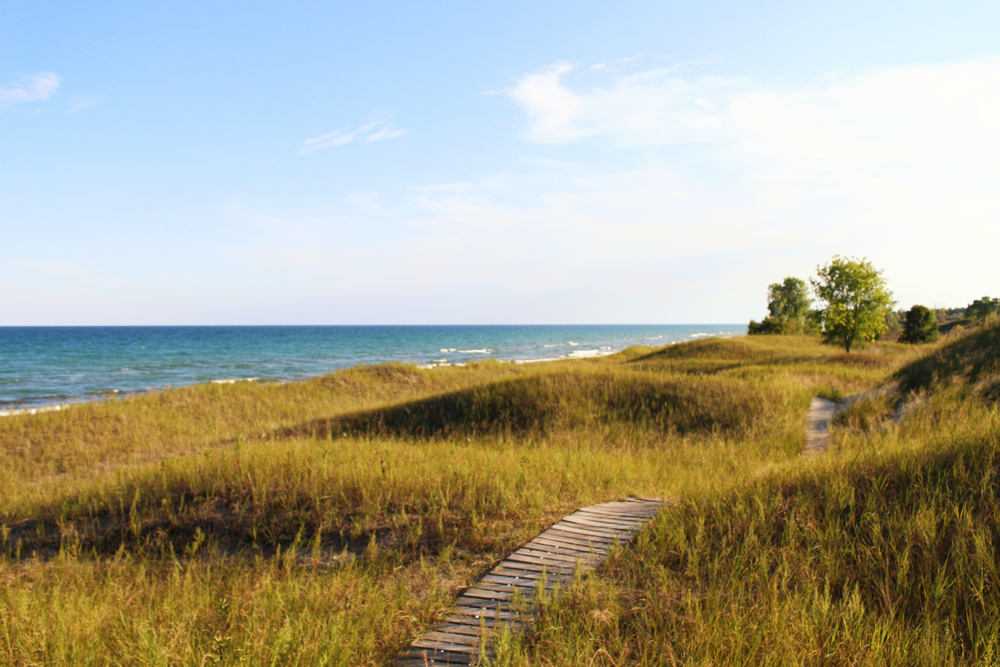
(788, 299)
(788, 309)
(857, 301)
(980, 309)
(894, 321)
(919, 326)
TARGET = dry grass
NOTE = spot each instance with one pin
(325, 522)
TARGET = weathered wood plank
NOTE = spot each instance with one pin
(450, 638)
(594, 525)
(517, 564)
(534, 574)
(471, 631)
(631, 515)
(603, 523)
(481, 612)
(439, 657)
(491, 624)
(564, 545)
(525, 588)
(595, 532)
(443, 646)
(556, 533)
(488, 594)
(585, 562)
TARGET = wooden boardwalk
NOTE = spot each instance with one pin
(502, 598)
(818, 419)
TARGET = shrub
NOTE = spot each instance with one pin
(919, 326)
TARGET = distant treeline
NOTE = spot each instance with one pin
(857, 307)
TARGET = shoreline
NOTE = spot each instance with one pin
(36, 405)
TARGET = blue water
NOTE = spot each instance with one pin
(51, 365)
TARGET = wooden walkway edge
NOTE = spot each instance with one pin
(821, 412)
(502, 598)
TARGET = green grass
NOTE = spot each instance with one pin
(329, 521)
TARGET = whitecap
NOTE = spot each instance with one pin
(483, 351)
(572, 343)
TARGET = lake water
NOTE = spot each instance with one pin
(42, 366)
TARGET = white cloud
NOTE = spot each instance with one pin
(374, 131)
(81, 102)
(387, 132)
(898, 165)
(652, 107)
(35, 88)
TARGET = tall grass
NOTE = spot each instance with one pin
(325, 522)
(882, 553)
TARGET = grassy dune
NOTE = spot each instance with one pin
(327, 522)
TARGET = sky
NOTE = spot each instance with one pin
(443, 162)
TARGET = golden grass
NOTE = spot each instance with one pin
(325, 522)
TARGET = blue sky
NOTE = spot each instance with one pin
(446, 162)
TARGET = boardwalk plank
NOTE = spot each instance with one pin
(491, 624)
(471, 631)
(602, 523)
(512, 564)
(440, 657)
(560, 558)
(488, 594)
(520, 583)
(481, 612)
(557, 543)
(557, 533)
(594, 525)
(450, 638)
(527, 589)
(534, 574)
(595, 532)
(443, 646)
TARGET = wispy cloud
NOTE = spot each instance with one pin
(34, 88)
(389, 131)
(652, 107)
(81, 102)
(374, 131)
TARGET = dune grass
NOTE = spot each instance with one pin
(882, 553)
(327, 522)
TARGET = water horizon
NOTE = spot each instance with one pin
(44, 366)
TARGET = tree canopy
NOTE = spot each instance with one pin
(857, 301)
(788, 299)
(919, 326)
(980, 309)
(788, 309)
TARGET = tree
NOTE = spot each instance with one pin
(919, 326)
(769, 325)
(857, 301)
(980, 309)
(894, 321)
(788, 299)
(788, 308)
